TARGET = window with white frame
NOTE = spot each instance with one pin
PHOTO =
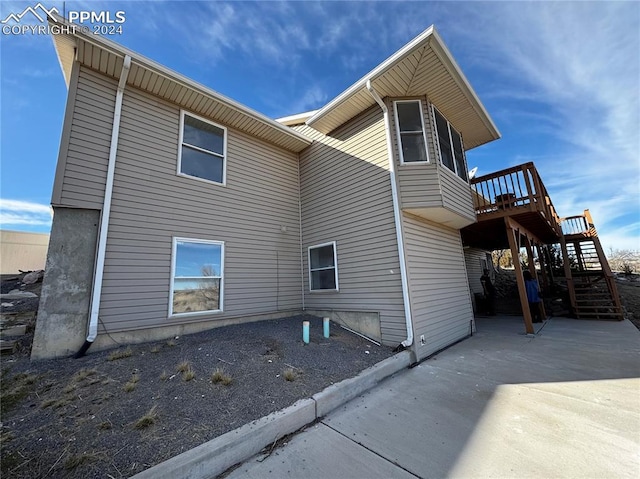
(202, 149)
(197, 276)
(411, 133)
(323, 267)
(450, 144)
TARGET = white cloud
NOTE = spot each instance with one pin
(314, 97)
(579, 63)
(24, 213)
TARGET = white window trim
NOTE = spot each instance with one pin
(224, 149)
(173, 275)
(335, 266)
(399, 137)
(437, 141)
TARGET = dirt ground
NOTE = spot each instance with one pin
(115, 413)
(112, 414)
(629, 289)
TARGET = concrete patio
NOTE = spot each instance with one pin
(562, 403)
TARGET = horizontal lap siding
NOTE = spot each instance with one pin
(418, 184)
(151, 205)
(440, 301)
(346, 197)
(456, 194)
(473, 258)
(87, 152)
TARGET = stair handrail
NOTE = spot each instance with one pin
(579, 225)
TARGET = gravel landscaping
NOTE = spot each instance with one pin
(114, 413)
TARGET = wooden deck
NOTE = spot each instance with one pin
(516, 193)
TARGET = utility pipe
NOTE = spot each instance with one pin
(305, 332)
(396, 215)
(96, 292)
(325, 327)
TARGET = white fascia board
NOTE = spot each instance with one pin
(449, 61)
(160, 69)
(296, 119)
(420, 40)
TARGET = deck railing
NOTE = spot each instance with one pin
(512, 189)
(578, 225)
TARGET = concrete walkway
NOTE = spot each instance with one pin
(565, 403)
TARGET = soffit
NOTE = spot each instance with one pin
(107, 57)
(423, 67)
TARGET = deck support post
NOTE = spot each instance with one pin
(532, 269)
(522, 292)
(567, 275)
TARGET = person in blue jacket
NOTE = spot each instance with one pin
(533, 296)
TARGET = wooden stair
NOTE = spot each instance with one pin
(592, 288)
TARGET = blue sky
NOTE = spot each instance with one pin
(561, 81)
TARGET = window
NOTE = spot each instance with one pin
(323, 267)
(197, 274)
(410, 128)
(450, 143)
(202, 149)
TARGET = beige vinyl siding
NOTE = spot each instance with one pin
(418, 183)
(80, 180)
(440, 301)
(346, 198)
(456, 194)
(152, 204)
(473, 258)
(423, 186)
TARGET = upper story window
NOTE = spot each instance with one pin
(323, 267)
(411, 133)
(450, 144)
(197, 274)
(202, 149)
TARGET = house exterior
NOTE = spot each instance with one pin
(177, 209)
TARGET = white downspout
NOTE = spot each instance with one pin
(106, 208)
(398, 220)
(300, 227)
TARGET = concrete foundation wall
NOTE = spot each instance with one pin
(366, 323)
(115, 339)
(22, 251)
(63, 314)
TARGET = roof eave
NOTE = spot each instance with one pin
(323, 122)
(159, 69)
(377, 71)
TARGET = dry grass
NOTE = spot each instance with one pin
(219, 376)
(131, 384)
(75, 460)
(105, 425)
(155, 349)
(171, 343)
(188, 374)
(148, 419)
(14, 389)
(164, 376)
(290, 374)
(83, 374)
(120, 354)
(183, 366)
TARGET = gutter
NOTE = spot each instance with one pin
(96, 293)
(396, 215)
